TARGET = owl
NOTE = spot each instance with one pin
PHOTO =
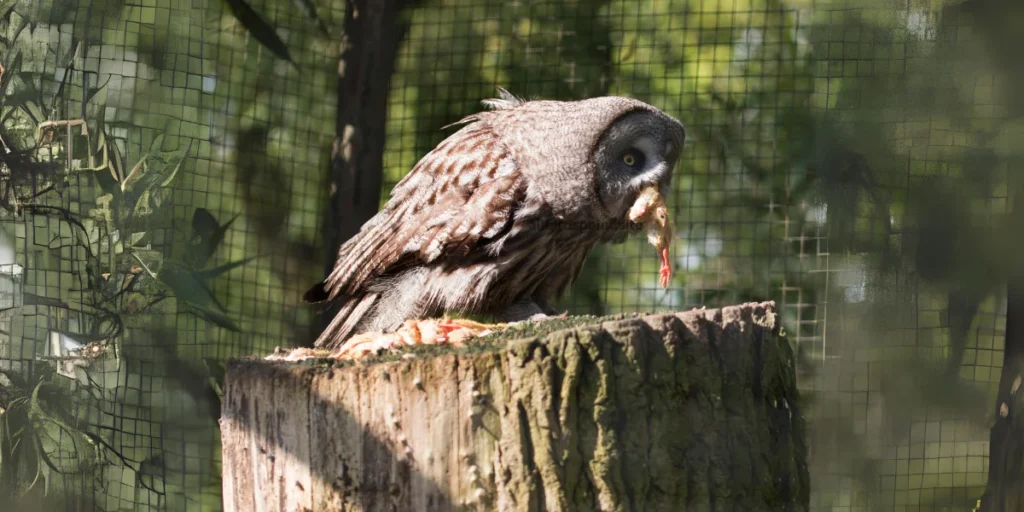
(498, 219)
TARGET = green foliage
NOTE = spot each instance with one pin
(113, 207)
(34, 424)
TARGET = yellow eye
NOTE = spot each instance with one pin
(629, 159)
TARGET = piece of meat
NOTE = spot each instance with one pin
(650, 210)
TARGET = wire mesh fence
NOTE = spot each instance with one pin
(163, 193)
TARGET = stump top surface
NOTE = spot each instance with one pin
(762, 313)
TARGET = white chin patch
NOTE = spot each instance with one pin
(651, 176)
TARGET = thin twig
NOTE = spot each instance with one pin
(138, 259)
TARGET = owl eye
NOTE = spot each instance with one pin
(633, 159)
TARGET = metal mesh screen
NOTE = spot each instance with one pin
(162, 196)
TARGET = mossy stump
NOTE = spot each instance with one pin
(689, 411)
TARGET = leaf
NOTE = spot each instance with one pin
(19, 99)
(219, 319)
(40, 417)
(158, 197)
(21, 26)
(174, 172)
(116, 162)
(157, 144)
(150, 169)
(154, 171)
(101, 140)
(108, 185)
(209, 242)
(259, 28)
(26, 88)
(216, 271)
(135, 174)
(7, 115)
(35, 112)
(204, 223)
(187, 287)
(215, 369)
(69, 69)
(5, 13)
(98, 94)
(101, 152)
(95, 102)
(11, 69)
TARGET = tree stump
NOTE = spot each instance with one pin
(689, 411)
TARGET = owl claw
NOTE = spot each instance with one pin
(443, 331)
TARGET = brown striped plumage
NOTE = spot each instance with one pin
(501, 215)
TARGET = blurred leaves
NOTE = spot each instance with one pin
(263, 181)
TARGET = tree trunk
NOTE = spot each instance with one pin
(373, 33)
(1004, 491)
(691, 411)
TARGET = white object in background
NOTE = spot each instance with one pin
(69, 353)
(11, 277)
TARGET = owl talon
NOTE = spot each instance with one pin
(442, 331)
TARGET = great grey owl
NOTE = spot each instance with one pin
(500, 216)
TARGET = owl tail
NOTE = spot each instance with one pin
(316, 294)
(352, 313)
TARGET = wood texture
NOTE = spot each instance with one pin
(688, 411)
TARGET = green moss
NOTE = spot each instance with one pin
(482, 344)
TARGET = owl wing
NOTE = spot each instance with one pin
(457, 199)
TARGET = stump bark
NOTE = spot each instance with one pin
(689, 411)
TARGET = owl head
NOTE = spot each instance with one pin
(638, 149)
(589, 159)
